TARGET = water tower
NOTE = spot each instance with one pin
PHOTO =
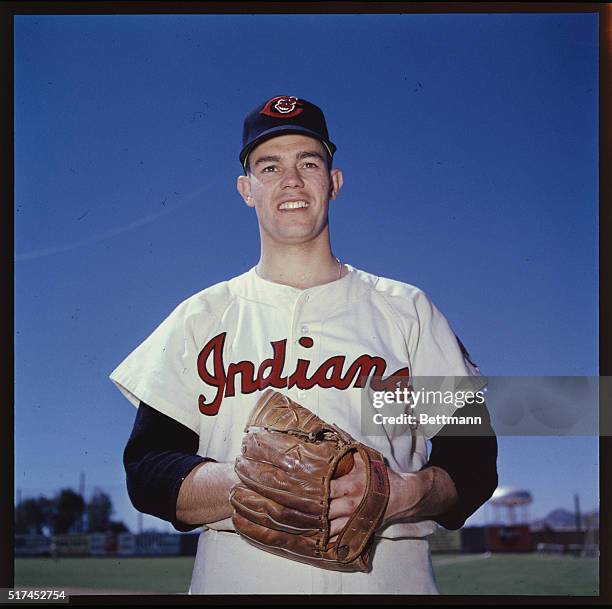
(512, 504)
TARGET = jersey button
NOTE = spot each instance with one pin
(304, 329)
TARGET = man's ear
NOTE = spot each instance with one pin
(243, 184)
(337, 180)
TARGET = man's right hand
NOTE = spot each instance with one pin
(204, 494)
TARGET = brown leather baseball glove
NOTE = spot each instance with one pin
(289, 457)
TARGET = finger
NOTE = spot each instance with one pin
(337, 489)
(359, 462)
(344, 506)
(348, 484)
(340, 488)
(352, 484)
(337, 525)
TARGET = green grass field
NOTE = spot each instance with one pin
(153, 575)
(517, 574)
(456, 574)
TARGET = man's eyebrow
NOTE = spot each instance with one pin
(299, 155)
(267, 159)
(308, 153)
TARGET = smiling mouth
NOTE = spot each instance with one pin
(293, 205)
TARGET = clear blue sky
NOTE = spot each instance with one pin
(469, 150)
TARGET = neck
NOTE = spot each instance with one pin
(300, 266)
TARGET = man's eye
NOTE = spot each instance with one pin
(310, 164)
(268, 169)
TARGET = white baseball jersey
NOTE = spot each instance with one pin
(208, 361)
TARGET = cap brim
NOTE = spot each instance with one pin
(283, 130)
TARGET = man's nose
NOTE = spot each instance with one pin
(292, 178)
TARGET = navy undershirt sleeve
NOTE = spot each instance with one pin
(470, 461)
(158, 456)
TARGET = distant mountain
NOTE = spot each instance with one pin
(564, 519)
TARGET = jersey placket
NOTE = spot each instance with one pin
(303, 326)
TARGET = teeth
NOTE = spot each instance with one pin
(293, 205)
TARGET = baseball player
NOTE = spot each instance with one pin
(311, 327)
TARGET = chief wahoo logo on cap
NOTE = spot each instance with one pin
(282, 106)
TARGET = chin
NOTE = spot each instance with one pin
(294, 239)
(294, 234)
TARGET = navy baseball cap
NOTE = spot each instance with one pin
(282, 115)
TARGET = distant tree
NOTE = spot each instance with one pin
(99, 511)
(117, 526)
(31, 515)
(64, 514)
(69, 508)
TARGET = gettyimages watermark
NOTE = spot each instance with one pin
(478, 405)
